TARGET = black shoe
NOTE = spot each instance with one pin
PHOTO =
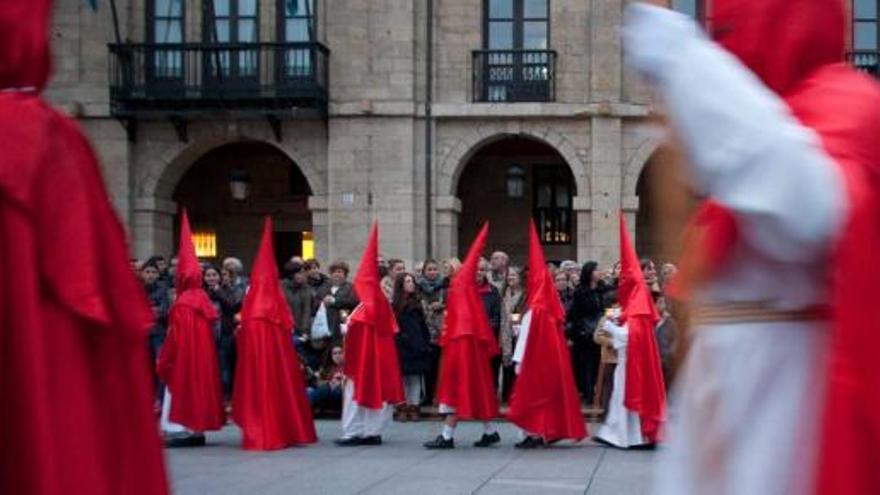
(185, 440)
(530, 443)
(440, 443)
(488, 440)
(349, 442)
(372, 440)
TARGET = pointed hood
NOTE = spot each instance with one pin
(645, 391)
(375, 308)
(541, 289)
(782, 41)
(188, 277)
(189, 271)
(632, 290)
(24, 43)
(265, 299)
(465, 314)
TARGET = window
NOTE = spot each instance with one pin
(205, 243)
(517, 25)
(233, 22)
(297, 25)
(516, 64)
(165, 26)
(552, 204)
(693, 8)
(865, 25)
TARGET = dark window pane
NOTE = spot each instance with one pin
(247, 31)
(688, 7)
(535, 35)
(535, 9)
(247, 7)
(296, 30)
(221, 8)
(168, 8)
(865, 9)
(168, 31)
(500, 35)
(502, 9)
(865, 36)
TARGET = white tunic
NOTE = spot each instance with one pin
(622, 427)
(744, 414)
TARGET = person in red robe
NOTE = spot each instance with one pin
(637, 408)
(545, 401)
(269, 400)
(77, 413)
(373, 384)
(465, 389)
(188, 362)
(784, 339)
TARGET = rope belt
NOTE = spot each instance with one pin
(754, 312)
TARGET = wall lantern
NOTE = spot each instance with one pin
(240, 184)
(516, 181)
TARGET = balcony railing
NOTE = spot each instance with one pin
(514, 76)
(866, 61)
(151, 78)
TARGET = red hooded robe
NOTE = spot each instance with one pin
(77, 412)
(370, 349)
(545, 400)
(188, 362)
(269, 401)
(465, 382)
(645, 392)
(796, 48)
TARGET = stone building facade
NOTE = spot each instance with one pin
(366, 153)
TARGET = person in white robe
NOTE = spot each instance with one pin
(744, 414)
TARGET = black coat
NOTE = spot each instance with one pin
(583, 316)
(492, 305)
(413, 341)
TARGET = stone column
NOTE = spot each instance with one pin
(319, 207)
(582, 208)
(152, 227)
(607, 183)
(447, 209)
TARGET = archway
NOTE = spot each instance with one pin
(226, 226)
(545, 192)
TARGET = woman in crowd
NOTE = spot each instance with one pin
(433, 287)
(227, 300)
(513, 305)
(582, 320)
(564, 289)
(327, 390)
(413, 343)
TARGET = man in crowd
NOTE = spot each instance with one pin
(337, 296)
(317, 280)
(299, 297)
(499, 263)
(157, 293)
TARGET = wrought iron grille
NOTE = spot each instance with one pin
(514, 76)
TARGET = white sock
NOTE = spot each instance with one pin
(488, 428)
(448, 432)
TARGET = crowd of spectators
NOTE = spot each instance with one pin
(321, 300)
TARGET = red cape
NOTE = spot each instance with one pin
(188, 361)
(77, 413)
(466, 382)
(545, 400)
(645, 392)
(370, 349)
(269, 401)
(840, 105)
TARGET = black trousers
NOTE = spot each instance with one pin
(585, 356)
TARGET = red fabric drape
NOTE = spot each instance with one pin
(645, 392)
(370, 349)
(269, 401)
(188, 361)
(545, 400)
(466, 382)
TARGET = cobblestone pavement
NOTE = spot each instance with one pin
(403, 466)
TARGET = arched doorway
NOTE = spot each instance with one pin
(647, 239)
(227, 226)
(509, 181)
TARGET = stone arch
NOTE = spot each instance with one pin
(162, 183)
(460, 155)
(632, 170)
